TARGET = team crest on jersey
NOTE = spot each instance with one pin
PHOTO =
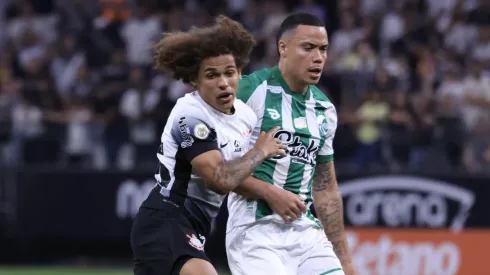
(296, 149)
(201, 131)
(322, 124)
(195, 242)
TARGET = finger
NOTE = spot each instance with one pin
(285, 218)
(278, 140)
(292, 216)
(301, 206)
(295, 209)
(283, 146)
(273, 130)
(281, 152)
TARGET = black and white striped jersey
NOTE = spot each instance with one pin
(194, 128)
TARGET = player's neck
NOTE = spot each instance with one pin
(293, 83)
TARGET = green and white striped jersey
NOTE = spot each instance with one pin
(307, 125)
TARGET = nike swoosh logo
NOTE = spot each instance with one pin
(223, 145)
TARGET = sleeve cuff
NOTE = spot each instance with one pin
(324, 159)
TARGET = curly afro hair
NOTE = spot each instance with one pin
(181, 53)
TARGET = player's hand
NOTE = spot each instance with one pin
(269, 145)
(285, 203)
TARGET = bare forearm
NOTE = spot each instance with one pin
(253, 188)
(229, 174)
(329, 208)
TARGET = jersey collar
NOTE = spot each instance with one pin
(278, 75)
(209, 107)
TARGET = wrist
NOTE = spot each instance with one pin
(268, 192)
(262, 155)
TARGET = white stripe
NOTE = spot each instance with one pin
(282, 166)
(257, 103)
(315, 134)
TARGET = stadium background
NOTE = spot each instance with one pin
(81, 111)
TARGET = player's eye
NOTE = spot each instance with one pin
(230, 73)
(324, 49)
(211, 75)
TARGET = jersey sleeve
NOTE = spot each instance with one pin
(328, 128)
(193, 135)
(246, 87)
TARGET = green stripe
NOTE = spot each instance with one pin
(331, 270)
(323, 159)
(265, 171)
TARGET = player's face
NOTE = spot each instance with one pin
(217, 82)
(306, 52)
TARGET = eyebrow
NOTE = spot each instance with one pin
(313, 44)
(211, 69)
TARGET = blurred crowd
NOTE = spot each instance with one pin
(410, 78)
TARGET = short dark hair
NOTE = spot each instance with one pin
(181, 53)
(296, 19)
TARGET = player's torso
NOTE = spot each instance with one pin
(233, 133)
(302, 127)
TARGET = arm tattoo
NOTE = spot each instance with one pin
(323, 178)
(329, 208)
(230, 174)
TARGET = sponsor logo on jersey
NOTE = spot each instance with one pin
(296, 149)
(187, 139)
(237, 146)
(275, 89)
(406, 201)
(195, 242)
(300, 123)
(273, 113)
(201, 131)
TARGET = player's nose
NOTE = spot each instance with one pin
(223, 83)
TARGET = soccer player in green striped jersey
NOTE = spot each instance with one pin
(258, 240)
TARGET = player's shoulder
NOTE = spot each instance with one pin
(189, 106)
(250, 83)
(245, 112)
(321, 98)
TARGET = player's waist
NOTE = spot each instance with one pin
(180, 204)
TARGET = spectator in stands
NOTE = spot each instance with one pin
(422, 131)
(476, 94)
(477, 148)
(400, 128)
(139, 33)
(372, 115)
(449, 117)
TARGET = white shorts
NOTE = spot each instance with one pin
(271, 248)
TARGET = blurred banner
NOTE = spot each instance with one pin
(419, 251)
(418, 222)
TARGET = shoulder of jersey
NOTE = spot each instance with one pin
(188, 105)
(320, 97)
(260, 76)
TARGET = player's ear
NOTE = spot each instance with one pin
(281, 46)
(193, 83)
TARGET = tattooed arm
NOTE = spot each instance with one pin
(223, 176)
(329, 208)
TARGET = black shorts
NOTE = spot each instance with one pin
(163, 240)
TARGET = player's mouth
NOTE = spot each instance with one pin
(315, 72)
(225, 97)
